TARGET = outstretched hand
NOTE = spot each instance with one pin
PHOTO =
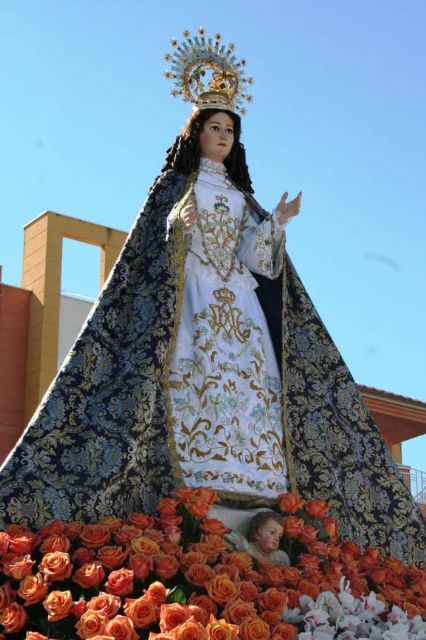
(290, 209)
(189, 215)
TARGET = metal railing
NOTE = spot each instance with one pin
(416, 482)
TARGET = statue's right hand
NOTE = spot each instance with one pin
(188, 214)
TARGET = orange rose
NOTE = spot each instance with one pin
(111, 522)
(91, 623)
(32, 589)
(78, 608)
(144, 547)
(56, 566)
(316, 508)
(158, 636)
(293, 526)
(4, 542)
(33, 635)
(170, 520)
(157, 592)
(314, 575)
(273, 574)
(241, 560)
(189, 630)
(221, 630)
(171, 548)
(82, 555)
(58, 605)
(290, 502)
(120, 582)
(154, 534)
(392, 595)
(143, 611)
(106, 604)
(272, 600)
(254, 576)
(227, 570)
(166, 566)
(319, 548)
(291, 576)
(121, 628)
(54, 528)
(213, 526)
(198, 574)
(272, 618)
(102, 636)
(308, 534)
(254, 629)
(293, 598)
(18, 567)
(13, 618)
(55, 543)
(237, 610)
(378, 575)
(211, 553)
(394, 565)
(89, 575)
(17, 530)
(248, 591)
(172, 615)
(173, 535)
(141, 520)
(111, 556)
(126, 533)
(204, 602)
(308, 561)
(21, 545)
(284, 631)
(349, 549)
(95, 536)
(199, 614)
(7, 596)
(330, 526)
(167, 506)
(215, 542)
(221, 589)
(309, 588)
(196, 508)
(192, 557)
(141, 566)
(72, 530)
(410, 609)
(203, 494)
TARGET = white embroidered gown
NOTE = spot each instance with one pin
(224, 381)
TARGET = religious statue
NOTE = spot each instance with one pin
(204, 361)
(263, 539)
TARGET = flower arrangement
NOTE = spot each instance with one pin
(175, 577)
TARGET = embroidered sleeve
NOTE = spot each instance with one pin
(261, 246)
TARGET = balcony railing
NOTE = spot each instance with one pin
(416, 482)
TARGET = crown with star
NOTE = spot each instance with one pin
(208, 73)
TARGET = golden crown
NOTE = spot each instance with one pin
(196, 57)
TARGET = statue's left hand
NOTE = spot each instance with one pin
(290, 209)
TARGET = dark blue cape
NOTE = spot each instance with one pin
(99, 443)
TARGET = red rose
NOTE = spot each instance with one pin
(290, 503)
(316, 508)
(95, 536)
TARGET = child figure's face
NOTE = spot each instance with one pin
(268, 536)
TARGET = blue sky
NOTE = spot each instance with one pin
(339, 112)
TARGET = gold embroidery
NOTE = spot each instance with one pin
(227, 318)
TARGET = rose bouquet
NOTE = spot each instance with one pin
(174, 576)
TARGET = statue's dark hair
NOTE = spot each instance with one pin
(257, 522)
(184, 154)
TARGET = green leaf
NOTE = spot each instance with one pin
(176, 595)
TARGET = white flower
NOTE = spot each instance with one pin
(348, 621)
(417, 625)
(315, 617)
(373, 605)
(396, 632)
(306, 603)
(292, 616)
(324, 632)
(347, 600)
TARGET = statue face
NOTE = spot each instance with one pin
(217, 137)
(268, 536)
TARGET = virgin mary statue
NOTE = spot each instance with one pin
(204, 361)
